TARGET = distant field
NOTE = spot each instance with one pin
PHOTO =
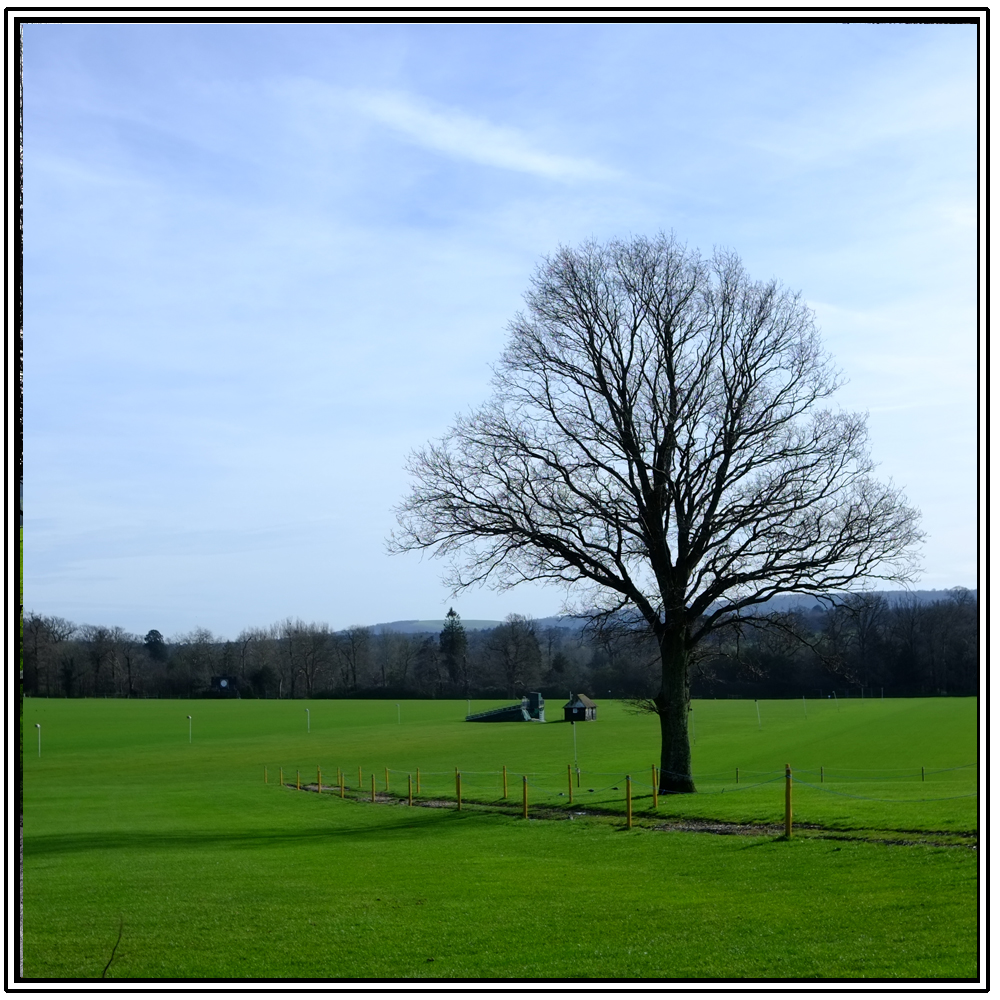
(217, 875)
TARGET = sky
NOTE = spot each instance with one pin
(262, 263)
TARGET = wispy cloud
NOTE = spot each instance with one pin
(886, 111)
(455, 133)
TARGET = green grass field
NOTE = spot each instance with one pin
(213, 874)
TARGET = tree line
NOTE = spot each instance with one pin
(863, 642)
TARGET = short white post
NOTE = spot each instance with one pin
(38, 726)
(307, 721)
(189, 729)
(788, 801)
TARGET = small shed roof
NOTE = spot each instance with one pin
(580, 701)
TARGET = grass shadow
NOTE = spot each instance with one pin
(426, 823)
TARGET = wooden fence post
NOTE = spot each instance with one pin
(373, 787)
(387, 779)
(737, 776)
(298, 783)
(361, 783)
(281, 776)
(409, 788)
(655, 789)
(418, 781)
(341, 773)
(788, 800)
(319, 780)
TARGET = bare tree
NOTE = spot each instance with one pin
(100, 652)
(195, 660)
(856, 627)
(392, 654)
(256, 657)
(315, 651)
(382, 649)
(657, 440)
(404, 655)
(427, 665)
(40, 650)
(353, 653)
(125, 652)
(285, 659)
(513, 647)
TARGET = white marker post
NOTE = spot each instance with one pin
(189, 729)
(307, 721)
(38, 726)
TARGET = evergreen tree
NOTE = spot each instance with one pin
(155, 646)
(453, 645)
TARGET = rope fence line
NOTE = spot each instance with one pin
(559, 776)
(907, 772)
(866, 798)
(546, 787)
(600, 807)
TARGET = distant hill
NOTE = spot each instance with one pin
(434, 625)
(806, 602)
(786, 602)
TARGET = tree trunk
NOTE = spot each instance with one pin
(673, 703)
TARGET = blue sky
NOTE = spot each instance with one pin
(264, 262)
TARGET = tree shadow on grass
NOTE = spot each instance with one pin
(423, 824)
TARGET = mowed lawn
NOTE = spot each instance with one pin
(213, 874)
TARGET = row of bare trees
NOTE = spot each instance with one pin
(871, 642)
(865, 641)
(295, 659)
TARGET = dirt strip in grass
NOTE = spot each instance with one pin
(898, 838)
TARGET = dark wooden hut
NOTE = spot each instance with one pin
(580, 708)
